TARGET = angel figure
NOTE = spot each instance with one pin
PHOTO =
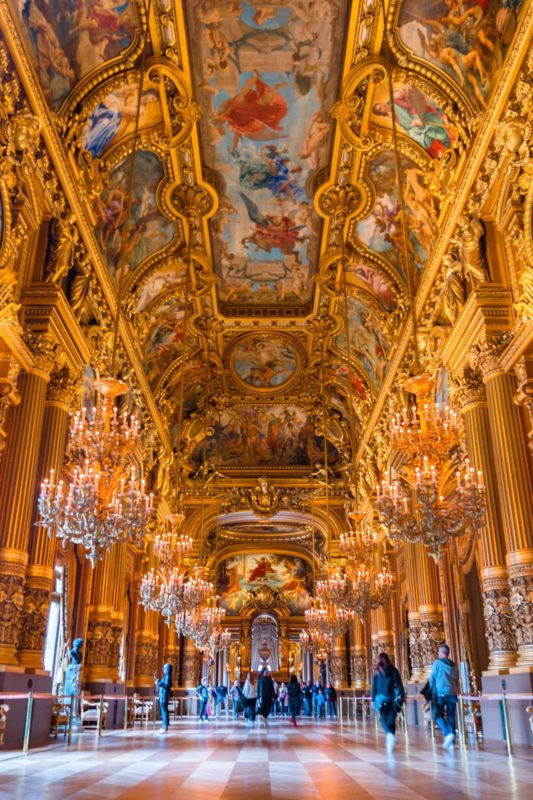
(272, 230)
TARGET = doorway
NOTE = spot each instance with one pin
(265, 643)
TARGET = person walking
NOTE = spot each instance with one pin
(164, 688)
(331, 700)
(388, 696)
(294, 697)
(283, 700)
(265, 694)
(236, 698)
(221, 697)
(444, 686)
(315, 689)
(249, 692)
(203, 695)
(307, 690)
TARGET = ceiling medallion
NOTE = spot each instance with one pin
(266, 363)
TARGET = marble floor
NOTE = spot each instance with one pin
(227, 761)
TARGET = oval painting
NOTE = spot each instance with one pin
(264, 362)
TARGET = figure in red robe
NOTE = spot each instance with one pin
(255, 112)
(261, 570)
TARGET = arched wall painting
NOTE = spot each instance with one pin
(69, 39)
(264, 362)
(266, 76)
(114, 116)
(261, 436)
(241, 574)
(367, 343)
(468, 40)
(149, 230)
(381, 231)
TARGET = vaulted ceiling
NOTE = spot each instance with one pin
(266, 138)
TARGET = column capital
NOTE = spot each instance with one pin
(469, 388)
(63, 390)
(486, 355)
(44, 348)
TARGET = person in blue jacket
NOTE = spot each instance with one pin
(164, 688)
(444, 685)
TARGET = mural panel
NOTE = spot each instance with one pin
(114, 117)
(264, 362)
(381, 230)
(69, 39)
(170, 275)
(241, 574)
(373, 281)
(164, 341)
(417, 115)
(367, 343)
(343, 371)
(149, 230)
(467, 39)
(250, 436)
(266, 76)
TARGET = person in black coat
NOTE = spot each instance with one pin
(164, 688)
(308, 698)
(265, 694)
(295, 698)
(388, 696)
(331, 700)
(315, 691)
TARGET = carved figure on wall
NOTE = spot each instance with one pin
(471, 232)
(64, 237)
(264, 499)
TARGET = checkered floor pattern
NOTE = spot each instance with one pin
(228, 761)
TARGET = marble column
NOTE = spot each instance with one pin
(146, 649)
(338, 663)
(499, 628)
(18, 477)
(42, 551)
(515, 493)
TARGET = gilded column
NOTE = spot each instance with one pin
(499, 629)
(146, 649)
(515, 493)
(18, 475)
(413, 598)
(191, 664)
(338, 663)
(360, 660)
(104, 630)
(172, 653)
(385, 633)
(40, 570)
(430, 608)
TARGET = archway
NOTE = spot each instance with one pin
(265, 642)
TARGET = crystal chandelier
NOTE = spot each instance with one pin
(369, 589)
(86, 514)
(360, 543)
(423, 505)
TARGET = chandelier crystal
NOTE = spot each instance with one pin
(423, 505)
(100, 506)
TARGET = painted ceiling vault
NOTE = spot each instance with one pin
(265, 137)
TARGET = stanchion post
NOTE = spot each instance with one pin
(126, 713)
(100, 715)
(155, 710)
(462, 730)
(27, 724)
(70, 718)
(506, 719)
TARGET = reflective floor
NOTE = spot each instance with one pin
(228, 761)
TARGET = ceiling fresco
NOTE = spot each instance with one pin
(256, 121)
(265, 77)
(288, 575)
(467, 40)
(70, 39)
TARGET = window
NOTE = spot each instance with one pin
(54, 641)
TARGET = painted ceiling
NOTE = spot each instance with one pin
(258, 122)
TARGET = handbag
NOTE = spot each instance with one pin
(426, 692)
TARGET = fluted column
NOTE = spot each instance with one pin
(385, 633)
(172, 653)
(40, 570)
(430, 608)
(499, 629)
(191, 664)
(18, 476)
(360, 660)
(146, 650)
(515, 494)
(104, 630)
(413, 599)
(338, 663)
